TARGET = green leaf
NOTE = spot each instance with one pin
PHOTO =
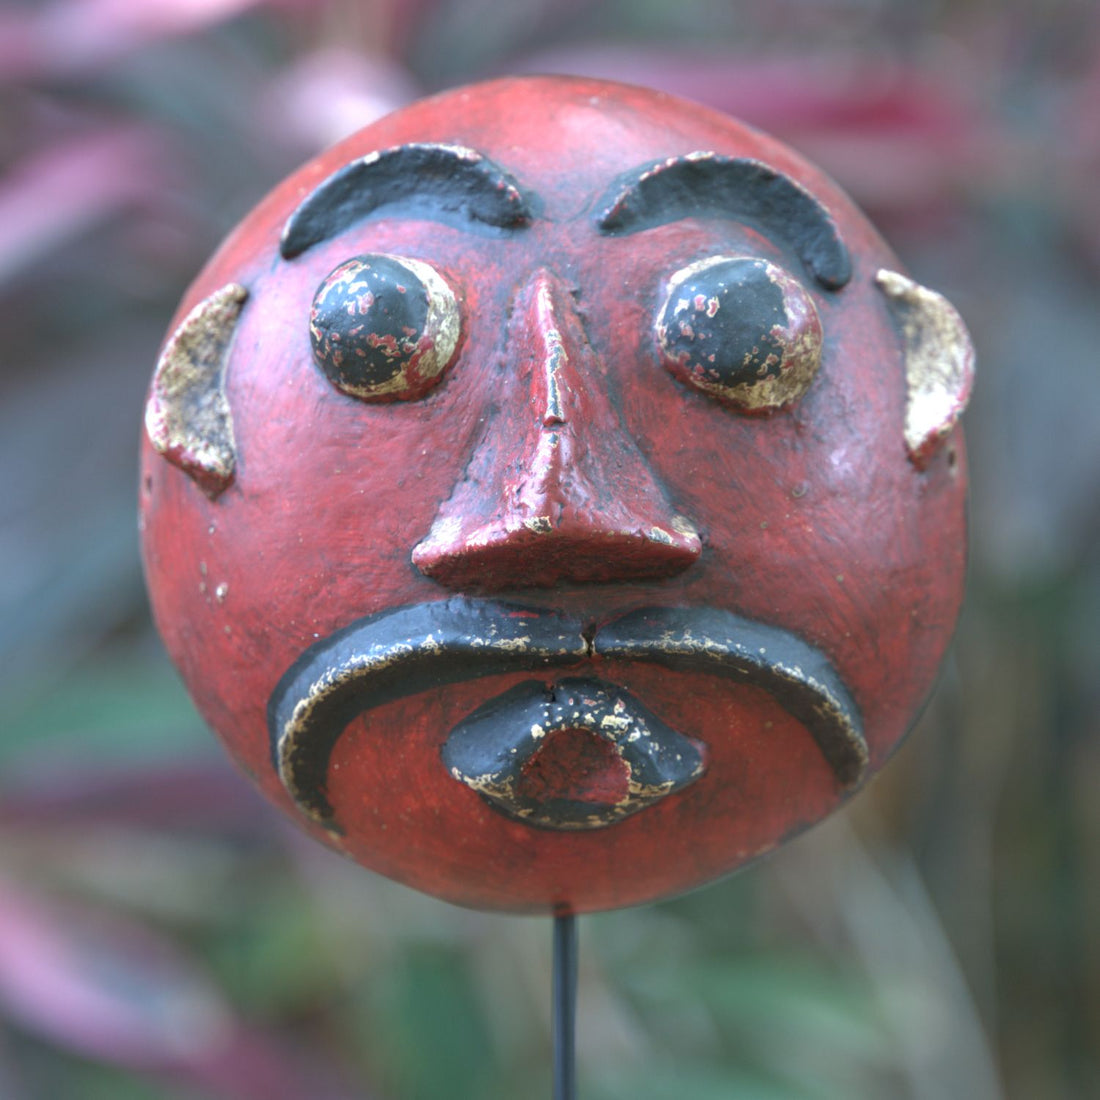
(120, 708)
(435, 1040)
(698, 1083)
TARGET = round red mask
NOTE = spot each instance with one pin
(551, 495)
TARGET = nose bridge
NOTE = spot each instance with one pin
(556, 490)
(552, 359)
(566, 380)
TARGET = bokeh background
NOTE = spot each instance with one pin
(163, 935)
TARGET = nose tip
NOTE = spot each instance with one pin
(556, 490)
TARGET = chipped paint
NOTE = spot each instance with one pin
(712, 354)
(391, 655)
(187, 416)
(574, 502)
(452, 183)
(555, 359)
(740, 188)
(417, 359)
(939, 361)
(491, 749)
(401, 652)
(797, 675)
(682, 525)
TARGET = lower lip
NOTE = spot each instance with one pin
(577, 754)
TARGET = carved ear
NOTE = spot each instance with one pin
(187, 416)
(939, 362)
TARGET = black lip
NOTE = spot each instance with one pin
(411, 649)
(490, 749)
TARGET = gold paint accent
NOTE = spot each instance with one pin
(939, 361)
(683, 526)
(187, 417)
(376, 660)
(832, 711)
(442, 328)
(539, 525)
(553, 362)
(802, 356)
(686, 644)
(618, 732)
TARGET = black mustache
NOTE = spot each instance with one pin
(402, 652)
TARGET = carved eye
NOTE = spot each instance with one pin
(383, 328)
(740, 329)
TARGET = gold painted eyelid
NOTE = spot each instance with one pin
(423, 362)
(748, 379)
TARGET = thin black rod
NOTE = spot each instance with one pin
(565, 1007)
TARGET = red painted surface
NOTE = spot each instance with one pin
(592, 502)
(574, 765)
(811, 518)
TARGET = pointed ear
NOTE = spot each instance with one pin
(939, 362)
(187, 417)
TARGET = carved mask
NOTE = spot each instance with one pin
(551, 495)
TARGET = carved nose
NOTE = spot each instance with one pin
(556, 490)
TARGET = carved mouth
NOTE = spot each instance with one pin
(399, 653)
(575, 755)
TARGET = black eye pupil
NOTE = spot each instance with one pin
(720, 323)
(368, 320)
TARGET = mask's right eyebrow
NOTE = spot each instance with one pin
(734, 187)
(446, 183)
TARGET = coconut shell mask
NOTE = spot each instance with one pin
(552, 496)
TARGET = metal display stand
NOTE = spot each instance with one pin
(565, 1007)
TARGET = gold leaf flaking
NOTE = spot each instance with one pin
(939, 361)
(187, 417)
(361, 668)
(442, 326)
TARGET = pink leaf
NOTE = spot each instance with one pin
(897, 136)
(109, 989)
(330, 93)
(105, 987)
(198, 796)
(62, 191)
(72, 36)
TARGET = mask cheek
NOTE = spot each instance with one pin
(939, 362)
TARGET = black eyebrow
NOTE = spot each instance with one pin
(447, 183)
(749, 190)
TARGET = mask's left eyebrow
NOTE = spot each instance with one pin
(733, 187)
(446, 183)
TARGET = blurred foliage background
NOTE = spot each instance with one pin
(163, 935)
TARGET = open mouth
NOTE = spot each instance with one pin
(577, 754)
(591, 778)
